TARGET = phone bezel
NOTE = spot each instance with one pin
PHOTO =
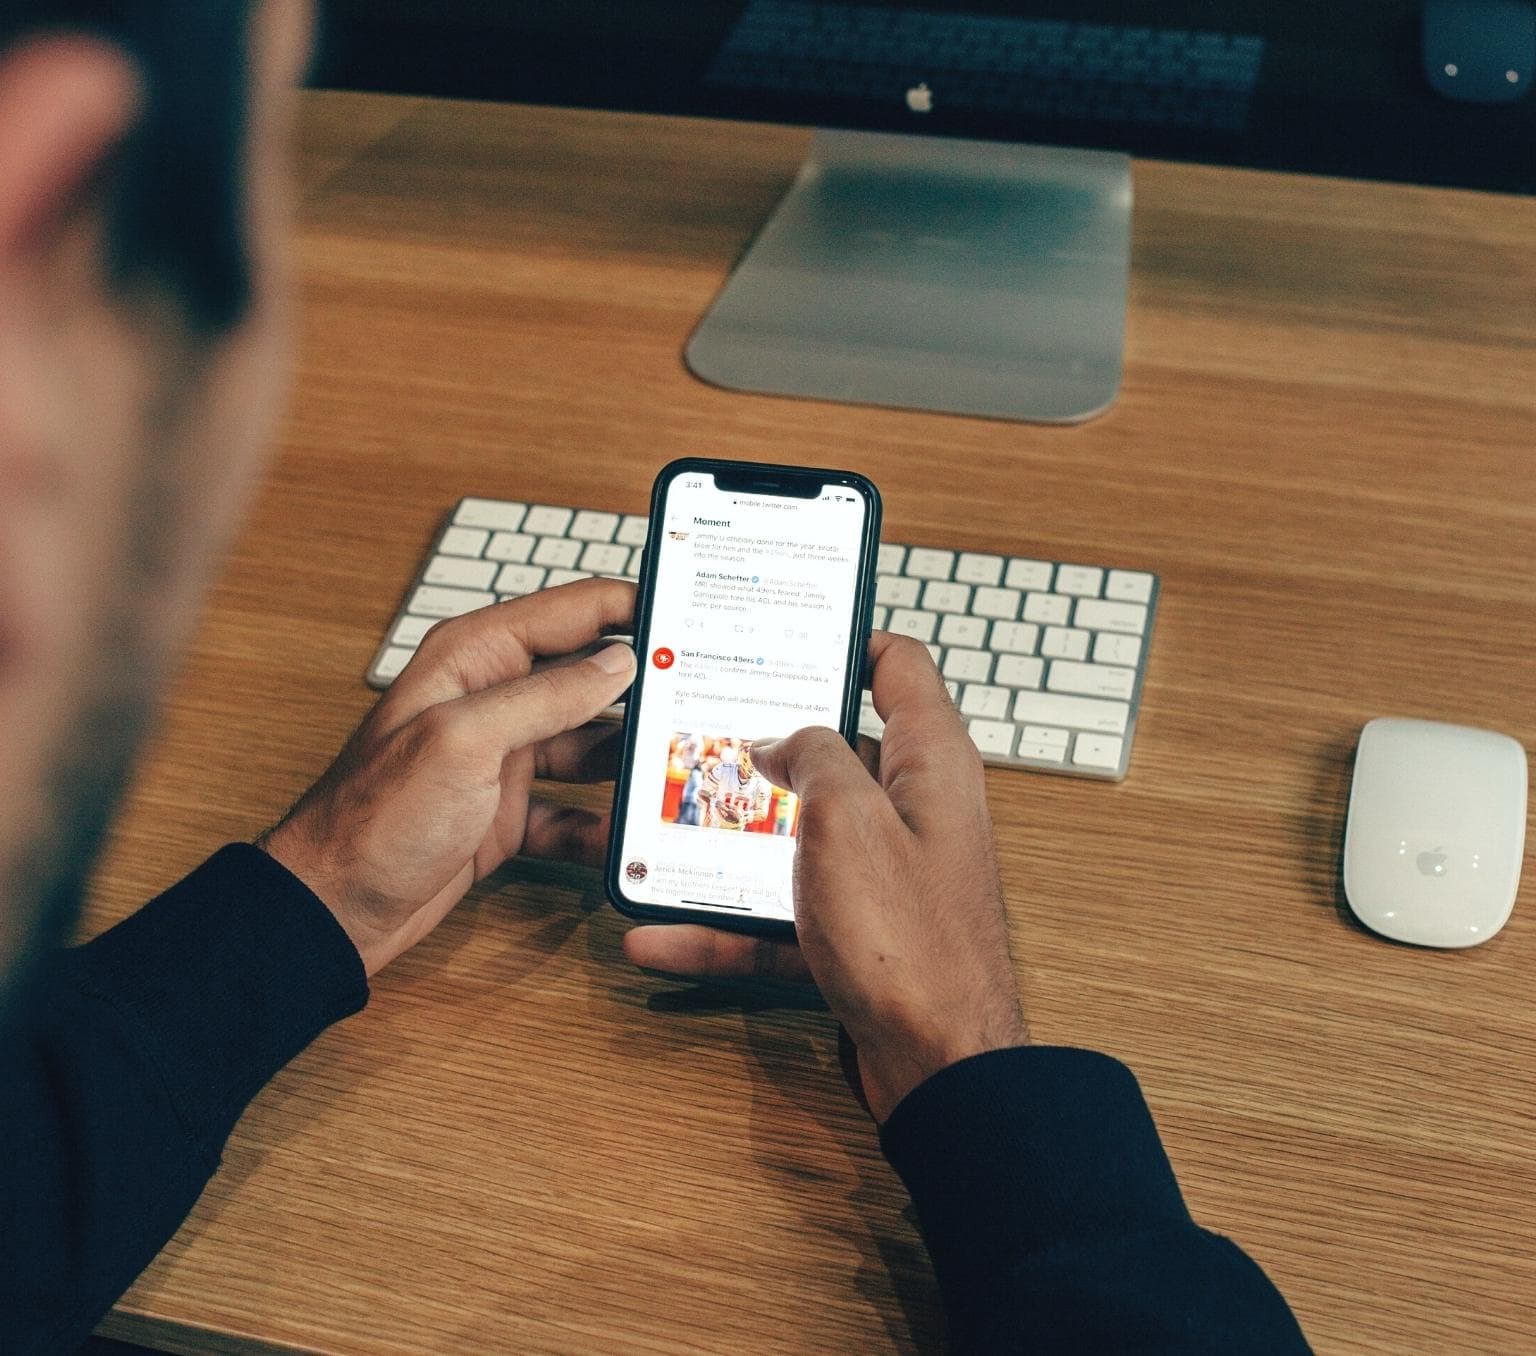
(755, 478)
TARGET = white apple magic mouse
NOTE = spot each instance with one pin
(1436, 831)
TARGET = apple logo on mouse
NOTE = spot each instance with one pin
(920, 98)
(1431, 863)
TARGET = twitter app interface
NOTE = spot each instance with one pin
(750, 622)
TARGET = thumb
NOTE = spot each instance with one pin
(813, 763)
(547, 702)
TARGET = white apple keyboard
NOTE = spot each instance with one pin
(1045, 660)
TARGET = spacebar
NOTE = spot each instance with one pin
(1077, 713)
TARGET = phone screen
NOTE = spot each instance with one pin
(753, 630)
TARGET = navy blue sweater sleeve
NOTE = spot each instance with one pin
(132, 1061)
(1054, 1220)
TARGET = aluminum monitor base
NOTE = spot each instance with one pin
(972, 277)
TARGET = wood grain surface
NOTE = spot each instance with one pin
(1324, 448)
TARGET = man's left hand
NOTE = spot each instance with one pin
(431, 794)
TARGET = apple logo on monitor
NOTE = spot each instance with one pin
(920, 98)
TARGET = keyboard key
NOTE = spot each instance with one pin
(970, 632)
(1028, 575)
(590, 526)
(895, 591)
(1015, 637)
(954, 691)
(519, 579)
(411, 631)
(1048, 609)
(1078, 713)
(1000, 603)
(993, 737)
(491, 513)
(1018, 671)
(934, 654)
(1091, 680)
(1061, 643)
(635, 561)
(974, 569)
(457, 573)
(561, 552)
(878, 617)
(1097, 615)
(1083, 581)
(463, 541)
(918, 625)
(558, 577)
(1128, 586)
(516, 547)
(946, 597)
(1046, 753)
(632, 530)
(599, 558)
(977, 699)
(1098, 751)
(546, 521)
(890, 558)
(392, 661)
(925, 564)
(1044, 734)
(968, 666)
(432, 601)
(1112, 649)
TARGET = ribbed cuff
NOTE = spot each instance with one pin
(226, 977)
(1020, 1150)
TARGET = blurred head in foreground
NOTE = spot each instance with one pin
(144, 218)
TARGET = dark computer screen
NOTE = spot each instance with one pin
(1310, 85)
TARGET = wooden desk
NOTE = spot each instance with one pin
(1324, 446)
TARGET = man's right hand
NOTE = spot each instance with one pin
(898, 906)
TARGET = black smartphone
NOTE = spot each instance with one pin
(756, 593)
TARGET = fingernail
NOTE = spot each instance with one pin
(615, 659)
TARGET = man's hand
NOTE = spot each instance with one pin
(897, 901)
(432, 792)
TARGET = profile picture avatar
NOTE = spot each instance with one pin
(711, 783)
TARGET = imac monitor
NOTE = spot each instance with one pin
(958, 237)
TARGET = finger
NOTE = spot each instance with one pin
(526, 712)
(904, 677)
(496, 644)
(814, 762)
(559, 620)
(565, 833)
(590, 754)
(928, 763)
(699, 952)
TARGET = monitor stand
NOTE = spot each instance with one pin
(972, 277)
